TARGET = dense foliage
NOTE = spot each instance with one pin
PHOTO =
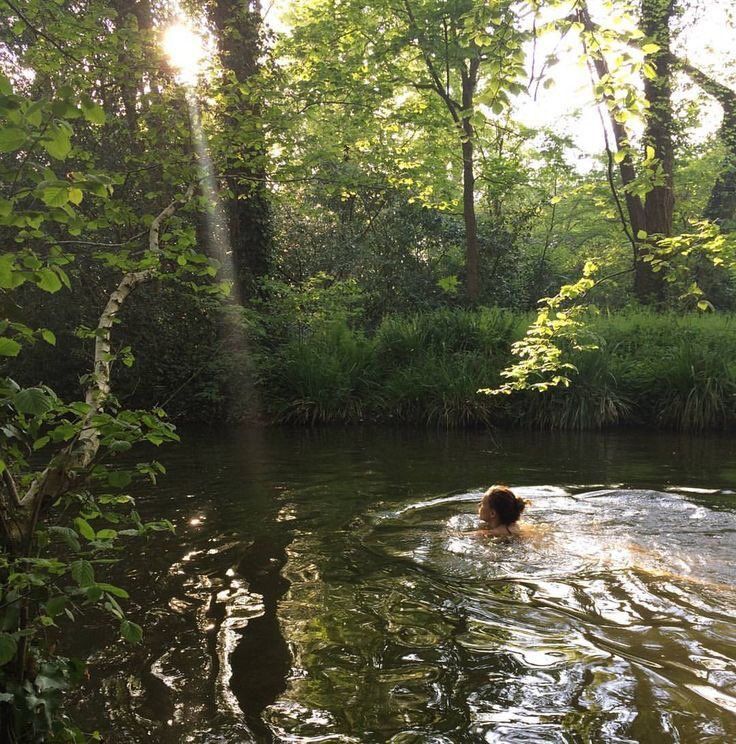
(396, 240)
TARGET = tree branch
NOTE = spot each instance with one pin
(452, 105)
(76, 457)
(41, 34)
(723, 94)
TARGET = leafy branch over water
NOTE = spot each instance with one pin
(62, 522)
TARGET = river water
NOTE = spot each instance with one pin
(332, 586)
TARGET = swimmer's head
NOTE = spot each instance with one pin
(500, 505)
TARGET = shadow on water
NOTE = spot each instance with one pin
(328, 586)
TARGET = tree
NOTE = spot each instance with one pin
(466, 56)
(61, 521)
(239, 32)
(721, 205)
(647, 185)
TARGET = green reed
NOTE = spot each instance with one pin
(658, 370)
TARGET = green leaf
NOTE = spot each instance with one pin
(40, 442)
(114, 590)
(642, 235)
(48, 336)
(84, 528)
(56, 195)
(8, 648)
(34, 113)
(9, 347)
(131, 632)
(94, 593)
(33, 401)
(58, 142)
(93, 112)
(63, 433)
(119, 445)
(75, 195)
(119, 478)
(106, 534)
(8, 272)
(11, 138)
(68, 535)
(650, 48)
(83, 573)
(48, 281)
(55, 606)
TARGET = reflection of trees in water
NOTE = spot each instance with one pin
(261, 660)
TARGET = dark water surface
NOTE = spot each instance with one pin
(330, 586)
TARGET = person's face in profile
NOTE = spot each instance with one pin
(485, 513)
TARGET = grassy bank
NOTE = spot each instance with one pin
(661, 371)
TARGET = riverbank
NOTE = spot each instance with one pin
(660, 371)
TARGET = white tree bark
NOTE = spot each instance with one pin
(71, 462)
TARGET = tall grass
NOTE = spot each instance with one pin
(325, 378)
(656, 370)
(433, 364)
(594, 400)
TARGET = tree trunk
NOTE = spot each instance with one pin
(239, 29)
(659, 203)
(472, 250)
(472, 247)
(460, 112)
(654, 215)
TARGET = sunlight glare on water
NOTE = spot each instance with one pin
(613, 597)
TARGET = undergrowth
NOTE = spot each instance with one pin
(659, 370)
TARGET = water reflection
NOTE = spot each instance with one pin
(337, 590)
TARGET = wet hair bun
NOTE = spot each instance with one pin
(505, 503)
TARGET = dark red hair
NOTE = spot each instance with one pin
(505, 503)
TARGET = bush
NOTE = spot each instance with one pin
(326, 377)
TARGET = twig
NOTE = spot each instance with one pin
(101, 245)
(40, 33)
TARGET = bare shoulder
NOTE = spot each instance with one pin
(523, 531)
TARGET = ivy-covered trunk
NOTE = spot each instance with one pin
(660, 199)
(721, 205)
(239, 34)
(650, 216)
